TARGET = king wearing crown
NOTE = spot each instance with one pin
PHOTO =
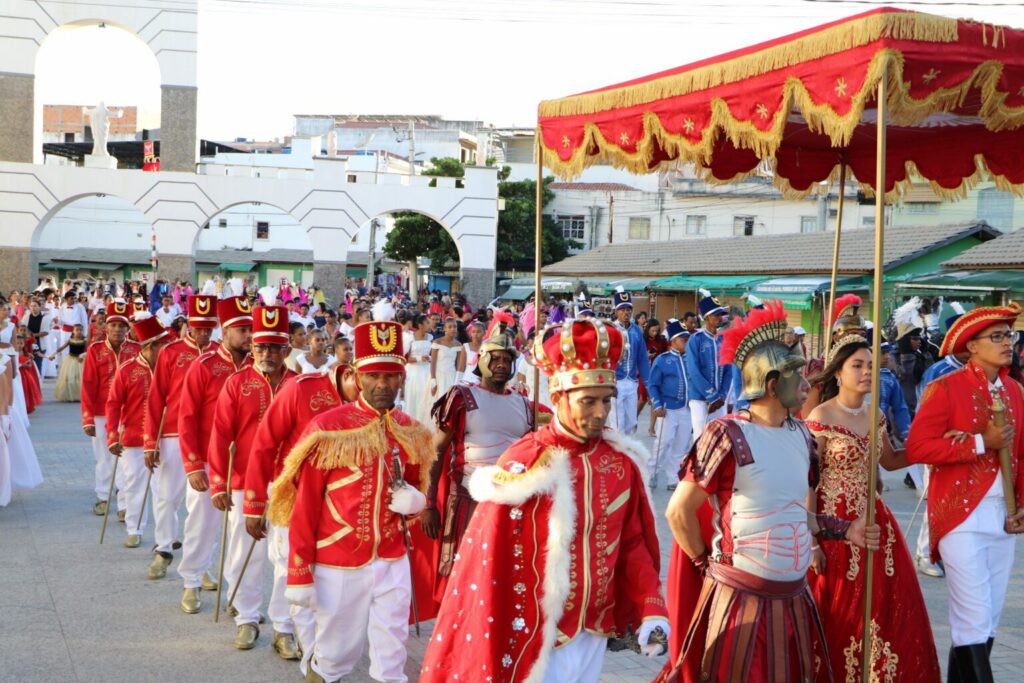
(561, 552)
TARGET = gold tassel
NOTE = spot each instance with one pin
(331, 449)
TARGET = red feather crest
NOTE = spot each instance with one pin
(733, 337)
(500, 317)
(841, 303)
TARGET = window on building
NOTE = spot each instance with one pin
(996, 208)
(223, 222)
(572, 227)
(922, 207)
(69, 138)
(743, 226)
(867, 221)
(351, 177)
(262, 230)
(696, 225)
(639, 228)
(808, 223)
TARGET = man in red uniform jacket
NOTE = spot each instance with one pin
(202, 387)
(101, 361)
(343, 493)
(240, 408)
(160, 436)
(291, 411)
(126, 409)
(561, 552)
(954, 431)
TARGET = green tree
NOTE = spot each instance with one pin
(416, 235)
(516, 225)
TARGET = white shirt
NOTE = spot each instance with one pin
(308, 367)
(166, 317)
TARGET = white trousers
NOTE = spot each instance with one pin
(168, 493)
(578, 662)
(288, 618)
(699, 416)
(202, 525)
(978, 557)
(359, 606)
(135, 476)
(105, 465)
(625, 406)
(249, 596)
(671, 444)
(924, 543)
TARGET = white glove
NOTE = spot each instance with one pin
(303, 596)
(407, 501)
(646, 629)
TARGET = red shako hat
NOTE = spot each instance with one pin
(270, 325)
(974, 322)
(149, 329)
(234, 311)
(584, 353)
(202, 311)
(117, 311)
(378, 347)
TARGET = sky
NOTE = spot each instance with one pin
(263, 61)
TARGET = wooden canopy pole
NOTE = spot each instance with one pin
(835, 256)
(873, 447)
(538, 237)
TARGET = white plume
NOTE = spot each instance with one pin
(704, 293)
(908, 317)
(958, 308)
(383, 311)
(141, 315)
(269, 295)
(210, 286)
(234, 287)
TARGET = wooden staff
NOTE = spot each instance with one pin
(110, 498)
(245, 565)
(866, 644)
(224, 532)
(537, 242)
(835, 254)
(1005, 457)
(149, 477)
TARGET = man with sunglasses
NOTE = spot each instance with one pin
(240, 408)
(972, 531)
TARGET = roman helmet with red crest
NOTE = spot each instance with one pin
(498, 338)
(846, 318)
(755, 345)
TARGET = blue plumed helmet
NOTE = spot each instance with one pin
(675, 328)
(958, 310)
(583, 306)
(709, 305)
(621, 298)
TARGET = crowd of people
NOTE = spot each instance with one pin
(395, 461)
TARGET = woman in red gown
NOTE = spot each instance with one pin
(903, 649)
(29, 376)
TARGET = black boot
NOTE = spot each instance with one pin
(988, 646)
(972, 664)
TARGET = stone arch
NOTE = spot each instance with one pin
(258, 202)
(437, 219)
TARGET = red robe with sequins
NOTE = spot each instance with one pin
(960, 478)
(563, 541)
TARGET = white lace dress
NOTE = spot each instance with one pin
(445, 371)
(417, 381)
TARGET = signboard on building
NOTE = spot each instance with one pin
(150, 161)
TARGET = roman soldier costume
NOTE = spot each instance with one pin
(101, 362)
(754, 618)
(161, 428)
(204, 381)
(561, 552)
(125, 412)
(240, 408)
(293, 407)
(343, 494)
(483, 424)
(966, 500)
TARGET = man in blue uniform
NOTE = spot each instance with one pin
(707, 382)
(667, 390)
(634, 365)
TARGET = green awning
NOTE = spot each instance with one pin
(517, 293)
(236, 267)
(82, 265)
(721, 285)
(798, 293)
(967, 282)
(355, 271)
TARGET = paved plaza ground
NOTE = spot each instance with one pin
(73, 610)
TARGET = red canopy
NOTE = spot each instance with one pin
(956, 104)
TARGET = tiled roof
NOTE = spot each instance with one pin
(1006, 251)
(594, 187)
(795, 253)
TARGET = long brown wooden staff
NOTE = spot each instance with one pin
(149, 477)
(224, 532)
(245, 565)
(1005, 459)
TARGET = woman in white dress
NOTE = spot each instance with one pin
(472, 350)
(316, 359)
(447, 361)
(417, 371)
(22, 467)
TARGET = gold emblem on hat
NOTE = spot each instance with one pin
(383, 338)
(203, 306)
(243, 305)
(269, 317)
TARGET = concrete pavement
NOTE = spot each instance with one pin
(73, 610)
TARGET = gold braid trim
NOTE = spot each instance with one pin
(331, 449)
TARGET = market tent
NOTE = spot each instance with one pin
(798, 293)
(969, 282)
(806, 104)
(236, 267)
(719, 285)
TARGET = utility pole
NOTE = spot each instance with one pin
(611, 216)
(371, 256)
(412, 147)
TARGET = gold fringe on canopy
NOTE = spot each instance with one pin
(828, 41)
(904, 110)
(330, 449)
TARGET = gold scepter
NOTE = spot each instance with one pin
(149, 477)
(224, 532)
(1005, 461)
(396, 483)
